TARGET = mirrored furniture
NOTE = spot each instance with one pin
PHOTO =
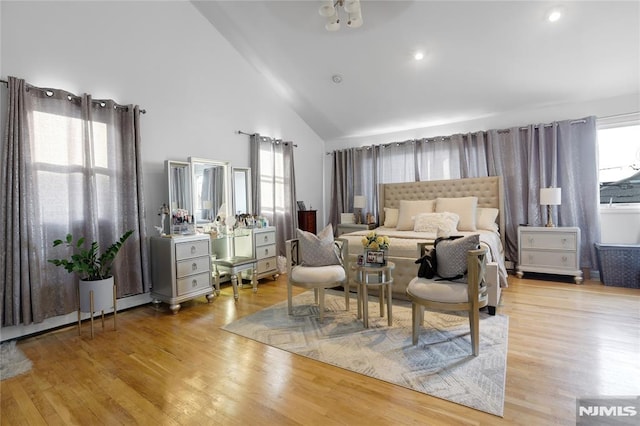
(210, 191)
(180, 197)
(261, 246)
(241, 185)
(181, 269)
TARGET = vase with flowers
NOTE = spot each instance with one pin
(375, 248)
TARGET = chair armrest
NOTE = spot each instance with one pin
(342, 251)
(292, 252)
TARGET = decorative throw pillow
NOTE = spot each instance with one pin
(431, 222)
(486, 219)
(452, 255)
(390, 217)
(317, 250)
(465, 207)
(410, 209)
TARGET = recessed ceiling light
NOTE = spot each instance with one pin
(418, 56)
(336, 78)
(554, 15)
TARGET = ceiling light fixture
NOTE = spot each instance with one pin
(554, 15)
(418, 56)
(330, 10)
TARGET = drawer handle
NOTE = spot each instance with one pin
(194, 266)
(564, 259)
(266, 238)
(531, 240)
(266, 251)
(194, 283)
(193, 249)
(268, 264)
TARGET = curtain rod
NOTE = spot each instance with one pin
(240, 132)
(6, 83)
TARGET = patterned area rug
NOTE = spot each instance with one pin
(441, 365)
(12, 361)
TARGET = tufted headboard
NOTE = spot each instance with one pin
(489, 191)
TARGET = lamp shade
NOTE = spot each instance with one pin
(550, 196)
(359, 201)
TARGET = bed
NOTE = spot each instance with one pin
(406, 201)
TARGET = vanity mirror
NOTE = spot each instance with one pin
(241, 180)
(210, 190)
(179, 181)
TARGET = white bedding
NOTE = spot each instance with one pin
(404, 244)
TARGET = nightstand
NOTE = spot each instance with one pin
(549, 250)
(345, 228)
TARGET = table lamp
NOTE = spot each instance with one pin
(359, 202)
(550, 197)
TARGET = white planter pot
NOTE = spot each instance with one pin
(102, 295)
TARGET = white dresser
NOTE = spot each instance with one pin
(180, 269)
(263, 247)
(549, 250)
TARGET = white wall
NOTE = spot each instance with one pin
(164, 56)
(167, 58)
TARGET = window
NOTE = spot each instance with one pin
(619, 163)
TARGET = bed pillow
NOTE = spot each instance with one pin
(390, 217)
(486, 219)
(317, 250)
(445, 223)
(465, 207)
(452, 255)
(409, 210)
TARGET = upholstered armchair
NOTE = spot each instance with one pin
(304, 270)
(452, 296)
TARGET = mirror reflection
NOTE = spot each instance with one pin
(179, 208)
(241, 190)
(209, 189)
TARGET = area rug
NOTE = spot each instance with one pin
(12, 361)
(441, 365)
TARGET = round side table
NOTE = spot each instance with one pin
(374, 276)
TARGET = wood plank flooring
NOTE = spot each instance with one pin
(565, 341)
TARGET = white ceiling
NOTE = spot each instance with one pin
(481, 58)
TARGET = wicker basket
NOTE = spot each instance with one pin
(619, 264)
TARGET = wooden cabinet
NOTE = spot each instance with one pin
(261, 246)
(307, 220)
(549, 250)
(180, 269)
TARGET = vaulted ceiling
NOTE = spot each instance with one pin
(481, 58)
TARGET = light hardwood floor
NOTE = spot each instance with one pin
(565, 341)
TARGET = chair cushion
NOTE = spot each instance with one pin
(317, 250)
(438, 291)
(452, 255)
(318, 274)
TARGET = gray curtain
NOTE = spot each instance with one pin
(72, 166)
(273, 181)
(562, 154)
(355, 172)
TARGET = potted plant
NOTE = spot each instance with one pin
(94, 270)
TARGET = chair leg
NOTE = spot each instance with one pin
(234, 284)
(289, 298)
(415, 315)
(474, 325)
(346, 295)
(321, 302)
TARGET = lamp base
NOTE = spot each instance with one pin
(549, 220)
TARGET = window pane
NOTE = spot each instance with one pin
(619, 163)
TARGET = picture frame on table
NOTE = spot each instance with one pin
(375, 258)
(301, 206)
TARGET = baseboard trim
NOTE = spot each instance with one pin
(22, 331)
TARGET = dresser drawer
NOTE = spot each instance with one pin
(190, 249)
(192, 266)
(263, 252)
(549, 258)
(265, 238)
(557, 240)
(194, 283)
(266, 265)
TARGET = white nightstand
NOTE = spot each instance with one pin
(549, 250)
(345, 228)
